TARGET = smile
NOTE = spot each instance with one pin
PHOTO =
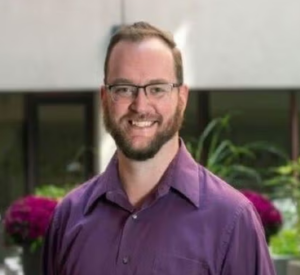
(141, 124)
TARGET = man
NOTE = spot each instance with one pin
(154, 210)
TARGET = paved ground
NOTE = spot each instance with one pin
(2, 270)
(11, 267)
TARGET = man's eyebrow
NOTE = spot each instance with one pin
(121, 81)
(158, 81)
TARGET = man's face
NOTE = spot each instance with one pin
(140, 127)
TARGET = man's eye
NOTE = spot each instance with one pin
(159, 89)
(122, 90)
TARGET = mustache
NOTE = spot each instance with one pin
(142, 116)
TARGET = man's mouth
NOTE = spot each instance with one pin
(142, 124)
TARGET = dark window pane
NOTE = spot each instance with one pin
(61, 144)
(12, 179)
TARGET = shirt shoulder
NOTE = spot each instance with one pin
(216, 194)
(224, 206)
(72, 207)
(229, 215)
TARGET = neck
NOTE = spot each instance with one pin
(140, 178)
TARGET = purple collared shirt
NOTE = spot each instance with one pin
(194, 224)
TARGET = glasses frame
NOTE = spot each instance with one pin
(138, 88)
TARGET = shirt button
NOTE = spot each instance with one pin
(134, 216)
(125, 260)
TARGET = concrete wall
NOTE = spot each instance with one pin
(50, 45)
(234, 43)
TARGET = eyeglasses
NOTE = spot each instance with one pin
(129, 92)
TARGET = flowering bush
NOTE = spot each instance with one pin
(27, 219)
(270, 216)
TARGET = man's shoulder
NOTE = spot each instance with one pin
(219, 195)
(223, 207)
(76, 200)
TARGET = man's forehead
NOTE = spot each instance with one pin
(141, 61)
(152, 44)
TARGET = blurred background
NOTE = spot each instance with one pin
(241, 61)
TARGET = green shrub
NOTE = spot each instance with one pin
(52, 191)
(285, 243)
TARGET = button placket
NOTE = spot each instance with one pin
(127, 239)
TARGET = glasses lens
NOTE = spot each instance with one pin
(157, 91)
(121, 92)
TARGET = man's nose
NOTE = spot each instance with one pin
(141, 102)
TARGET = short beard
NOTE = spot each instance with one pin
(162, 137)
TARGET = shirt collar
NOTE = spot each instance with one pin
(108, 181)
(181, 175)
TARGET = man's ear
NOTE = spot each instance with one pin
(184, 96)
(103, 97)
(102, 92)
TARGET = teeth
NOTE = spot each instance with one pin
(142, 124)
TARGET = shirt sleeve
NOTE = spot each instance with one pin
(51, 250)
(246, 251)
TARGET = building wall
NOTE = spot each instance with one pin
(236, 43)
(49, 45)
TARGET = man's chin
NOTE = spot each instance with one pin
(139, 153)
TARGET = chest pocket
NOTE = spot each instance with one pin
(177, 265)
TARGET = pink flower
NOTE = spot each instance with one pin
(27, 219)
(270, 216)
